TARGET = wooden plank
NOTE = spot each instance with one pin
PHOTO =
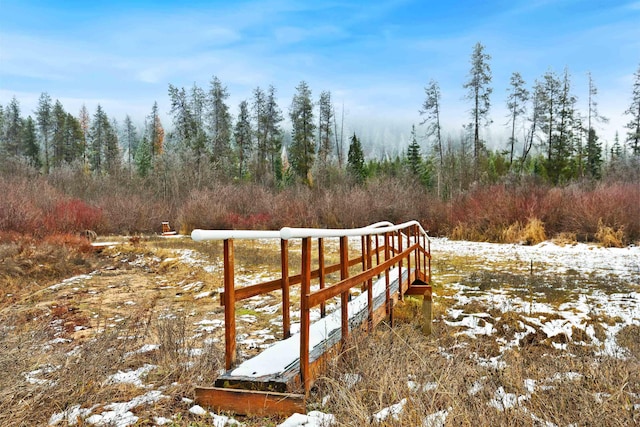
(229, 306)
(250, 402)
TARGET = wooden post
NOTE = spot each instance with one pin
(284, 266)
(387, 255)
(427, 307)
(344, 297)
(429, 258)
(305, 289)
(321, 273)
(418, 257)
(377, 253)
(229, 306)
(369, 284)
(400, 293)
(409, 254)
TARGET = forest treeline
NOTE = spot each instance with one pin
(207, 147)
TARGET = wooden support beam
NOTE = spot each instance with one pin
(387, 254)
(229, 306)
(344, 296)
(321, 275)
(286, 309)
(427, 311)
(369, 284)
(249, 402)
(305, 321)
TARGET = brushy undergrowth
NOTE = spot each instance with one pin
(526, 212)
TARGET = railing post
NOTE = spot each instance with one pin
(387, 253)
(305, 288)
(229, 306)
(418, 239)
(400, 292)
(409, 255)
(369, 284)
(321, 272)
(284, 266)
(344, 297)
(377, 253)
(429, 258)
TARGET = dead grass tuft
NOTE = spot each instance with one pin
(610, 237)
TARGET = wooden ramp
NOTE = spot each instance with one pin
(277, 380)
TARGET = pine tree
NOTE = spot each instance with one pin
(59, 117)
(98, 135)
(479, 94)
(633, 135)
(243, 137)
(85, 122)
(355, 160)
(156, 131)
(414, 157)
(44, 118)
(219, 122)
(30, 143)
(431, 111)
(73, 140)
(130, 139)
(516, 103)
(302, 149)
(325, 121)
(594, 155)
(12, 134)
(112, 148)
(143, 157)
(593, 116)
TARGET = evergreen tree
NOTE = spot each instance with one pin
(243, 137)
(143, 157)
(325, 118)
(112, 148)
(414, 156)
(594, 155)
(85, 122)
(155, 131)
(268, 134)
(219, 122)
(355, 160)
(479, 93)
(593, 116)
(44, 118)
(30, 143)
(59, 116)
(633, 135)
(301, 151)
(98, 135)
(516, 103)
(12, 133)
(431, 112)
(73, 141)
(130, 139)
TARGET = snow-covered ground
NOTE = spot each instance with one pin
(580, 311)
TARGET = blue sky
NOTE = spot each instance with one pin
(375, 57)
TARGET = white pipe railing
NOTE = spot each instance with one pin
(288, 233)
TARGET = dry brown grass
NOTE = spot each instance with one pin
(601, 394)
(610, 237)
